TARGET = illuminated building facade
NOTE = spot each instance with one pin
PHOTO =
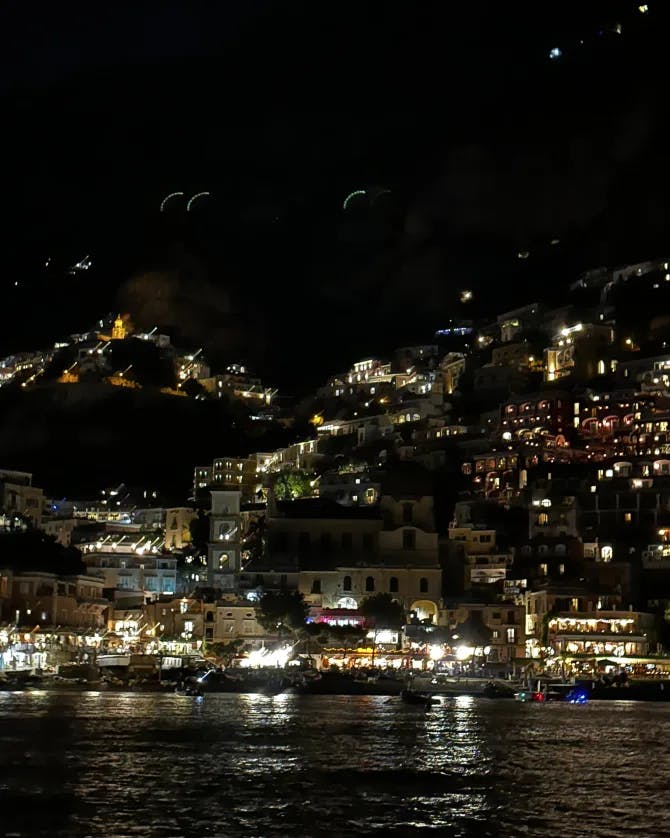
(614, 633)
(223, 550)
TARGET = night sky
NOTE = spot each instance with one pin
(479, 145)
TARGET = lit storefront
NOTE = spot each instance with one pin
(46, 650)
(619, 636)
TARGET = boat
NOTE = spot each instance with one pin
(553, 691)
(577, 695)
(499, 689)
(450, 685)
(419, 697)
(336, 683)
(638, 690)
(274, 686)
(217, 681)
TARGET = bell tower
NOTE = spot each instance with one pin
(223, 550)
(119, 329)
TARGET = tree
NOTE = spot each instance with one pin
(282, 612)
(226, 651)
(292, 484)
(193, 388)
(199, 527)
(347, 635)
(339, 636)
(34, 550)
(385, 612)
(253, 541)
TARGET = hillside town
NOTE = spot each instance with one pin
(494, 501)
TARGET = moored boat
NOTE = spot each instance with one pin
(419, 697)
(338, 683)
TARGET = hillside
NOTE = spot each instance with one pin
(75, 438)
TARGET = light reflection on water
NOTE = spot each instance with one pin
(167, 765)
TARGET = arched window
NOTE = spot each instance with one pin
(369, 583)
(316, 586)
(423, 585)
(393, 585)
(209, 617)
(346, 583)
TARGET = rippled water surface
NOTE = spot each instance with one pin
(168, 765)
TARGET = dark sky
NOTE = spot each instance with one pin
(487, 147)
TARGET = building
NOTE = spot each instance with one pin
(349, 487)
(237, 474)
(582, 350)
(232, 621)
(614, 634)
(550, 599)
(483, 563)
(237, 383)
(504, 623)
(537, 414)
(191, 365)
(46, 599)
(132, 565)
(174, 619)
(60, 529)
(452, 367)
(370, 378)
(553, 511)
(177, 527)
(348, 554)
(223, 550)
(512, 323)
(19, 498)
(344, 586)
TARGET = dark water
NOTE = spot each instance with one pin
(140, 765)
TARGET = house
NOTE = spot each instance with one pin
(18, 496)
(46, 599)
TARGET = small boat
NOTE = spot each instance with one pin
(499, 689)
(274, 686)
(578, 695)
(418, 697)
(553, 691)
(190, 686)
